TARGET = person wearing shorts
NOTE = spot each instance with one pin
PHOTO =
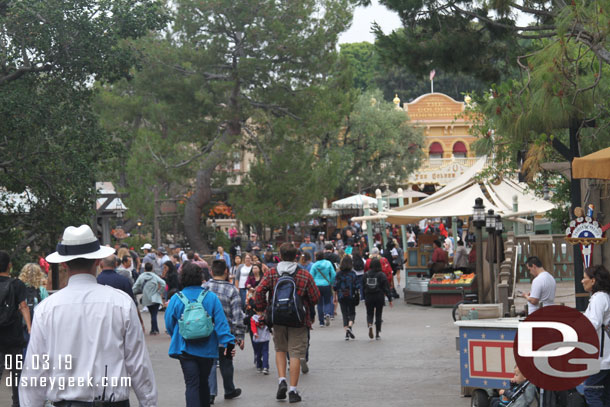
(288, 340)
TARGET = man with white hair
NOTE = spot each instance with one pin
(105, 354)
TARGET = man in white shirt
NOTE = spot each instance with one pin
(86, 343)
(543, 286)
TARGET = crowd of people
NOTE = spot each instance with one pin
(210, 309)
(238, 291)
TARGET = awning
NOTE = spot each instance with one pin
(354, 202)
(436, 148)
(595, 165)
(459, 147)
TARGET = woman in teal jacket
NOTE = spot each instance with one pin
(323, 273)
(196, 356)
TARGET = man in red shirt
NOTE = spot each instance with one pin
(440, 259)
(288, 339)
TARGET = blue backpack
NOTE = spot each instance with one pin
(287, 306)
(195, 322)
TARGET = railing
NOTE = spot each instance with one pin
(441, 162)
(562, 266)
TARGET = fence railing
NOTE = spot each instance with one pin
(562, 266)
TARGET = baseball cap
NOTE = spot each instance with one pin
(147, 246)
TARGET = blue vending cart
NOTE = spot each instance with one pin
(486, 356)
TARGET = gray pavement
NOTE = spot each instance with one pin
(414, 364)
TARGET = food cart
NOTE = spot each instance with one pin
(445, 289)
(486, 356)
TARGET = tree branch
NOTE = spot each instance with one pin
(22, 71)
(273, 108)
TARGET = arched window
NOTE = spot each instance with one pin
(436, 150)
(459, 150)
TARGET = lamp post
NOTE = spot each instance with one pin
(490, 226)
(369, 226)
(478, 220)
(379, 210)
(499, 231)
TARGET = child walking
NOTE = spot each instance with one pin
(347, 287)
(260, 341)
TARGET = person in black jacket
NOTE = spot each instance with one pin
(375, 287)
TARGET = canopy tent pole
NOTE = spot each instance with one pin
(403, 235)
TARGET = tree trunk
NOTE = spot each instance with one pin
(193, 208)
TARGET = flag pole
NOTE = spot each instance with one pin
(432, 85)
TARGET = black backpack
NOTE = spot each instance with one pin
(287, 306)
(372, 282)
(32, 298)
(358, 262)
(8, 310)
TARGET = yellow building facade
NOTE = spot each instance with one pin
(448, 144)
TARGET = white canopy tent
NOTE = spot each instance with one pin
(457, 198)
(354, 202)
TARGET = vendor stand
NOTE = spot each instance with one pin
(445, 289)
(486, 356)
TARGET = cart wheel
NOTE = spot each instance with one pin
(454, 312)
(479, 399)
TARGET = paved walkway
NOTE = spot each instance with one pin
(415, 364)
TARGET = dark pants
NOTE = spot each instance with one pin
(243, 293)
(154, 310)
(10, 354)
(261, 354)
(597, 389)
(374, 306)
(196, 372)
(226, 371)
(325, 303)
(348, 310)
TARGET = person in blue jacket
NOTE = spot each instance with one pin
(196, 356)
(323, 273)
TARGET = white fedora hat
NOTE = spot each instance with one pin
(79, 242)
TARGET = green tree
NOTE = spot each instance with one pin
(378, 145)
(484, 38)
(231, 75)
(257, 56)
(52, 145)
(369, 72)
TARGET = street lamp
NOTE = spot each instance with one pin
(478, 220)
(499, 225)
(139, 223)
(479, 213)
(490, 221)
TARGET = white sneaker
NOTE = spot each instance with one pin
(144, 309)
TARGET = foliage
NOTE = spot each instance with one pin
(51, 147)
(230, 76)
(378, 145)
(284, 184)
(72, 40)
(484, 38)
(370, 72)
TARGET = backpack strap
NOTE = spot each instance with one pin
(202, 295)
(182, 297)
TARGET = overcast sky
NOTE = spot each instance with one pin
(364, 18)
